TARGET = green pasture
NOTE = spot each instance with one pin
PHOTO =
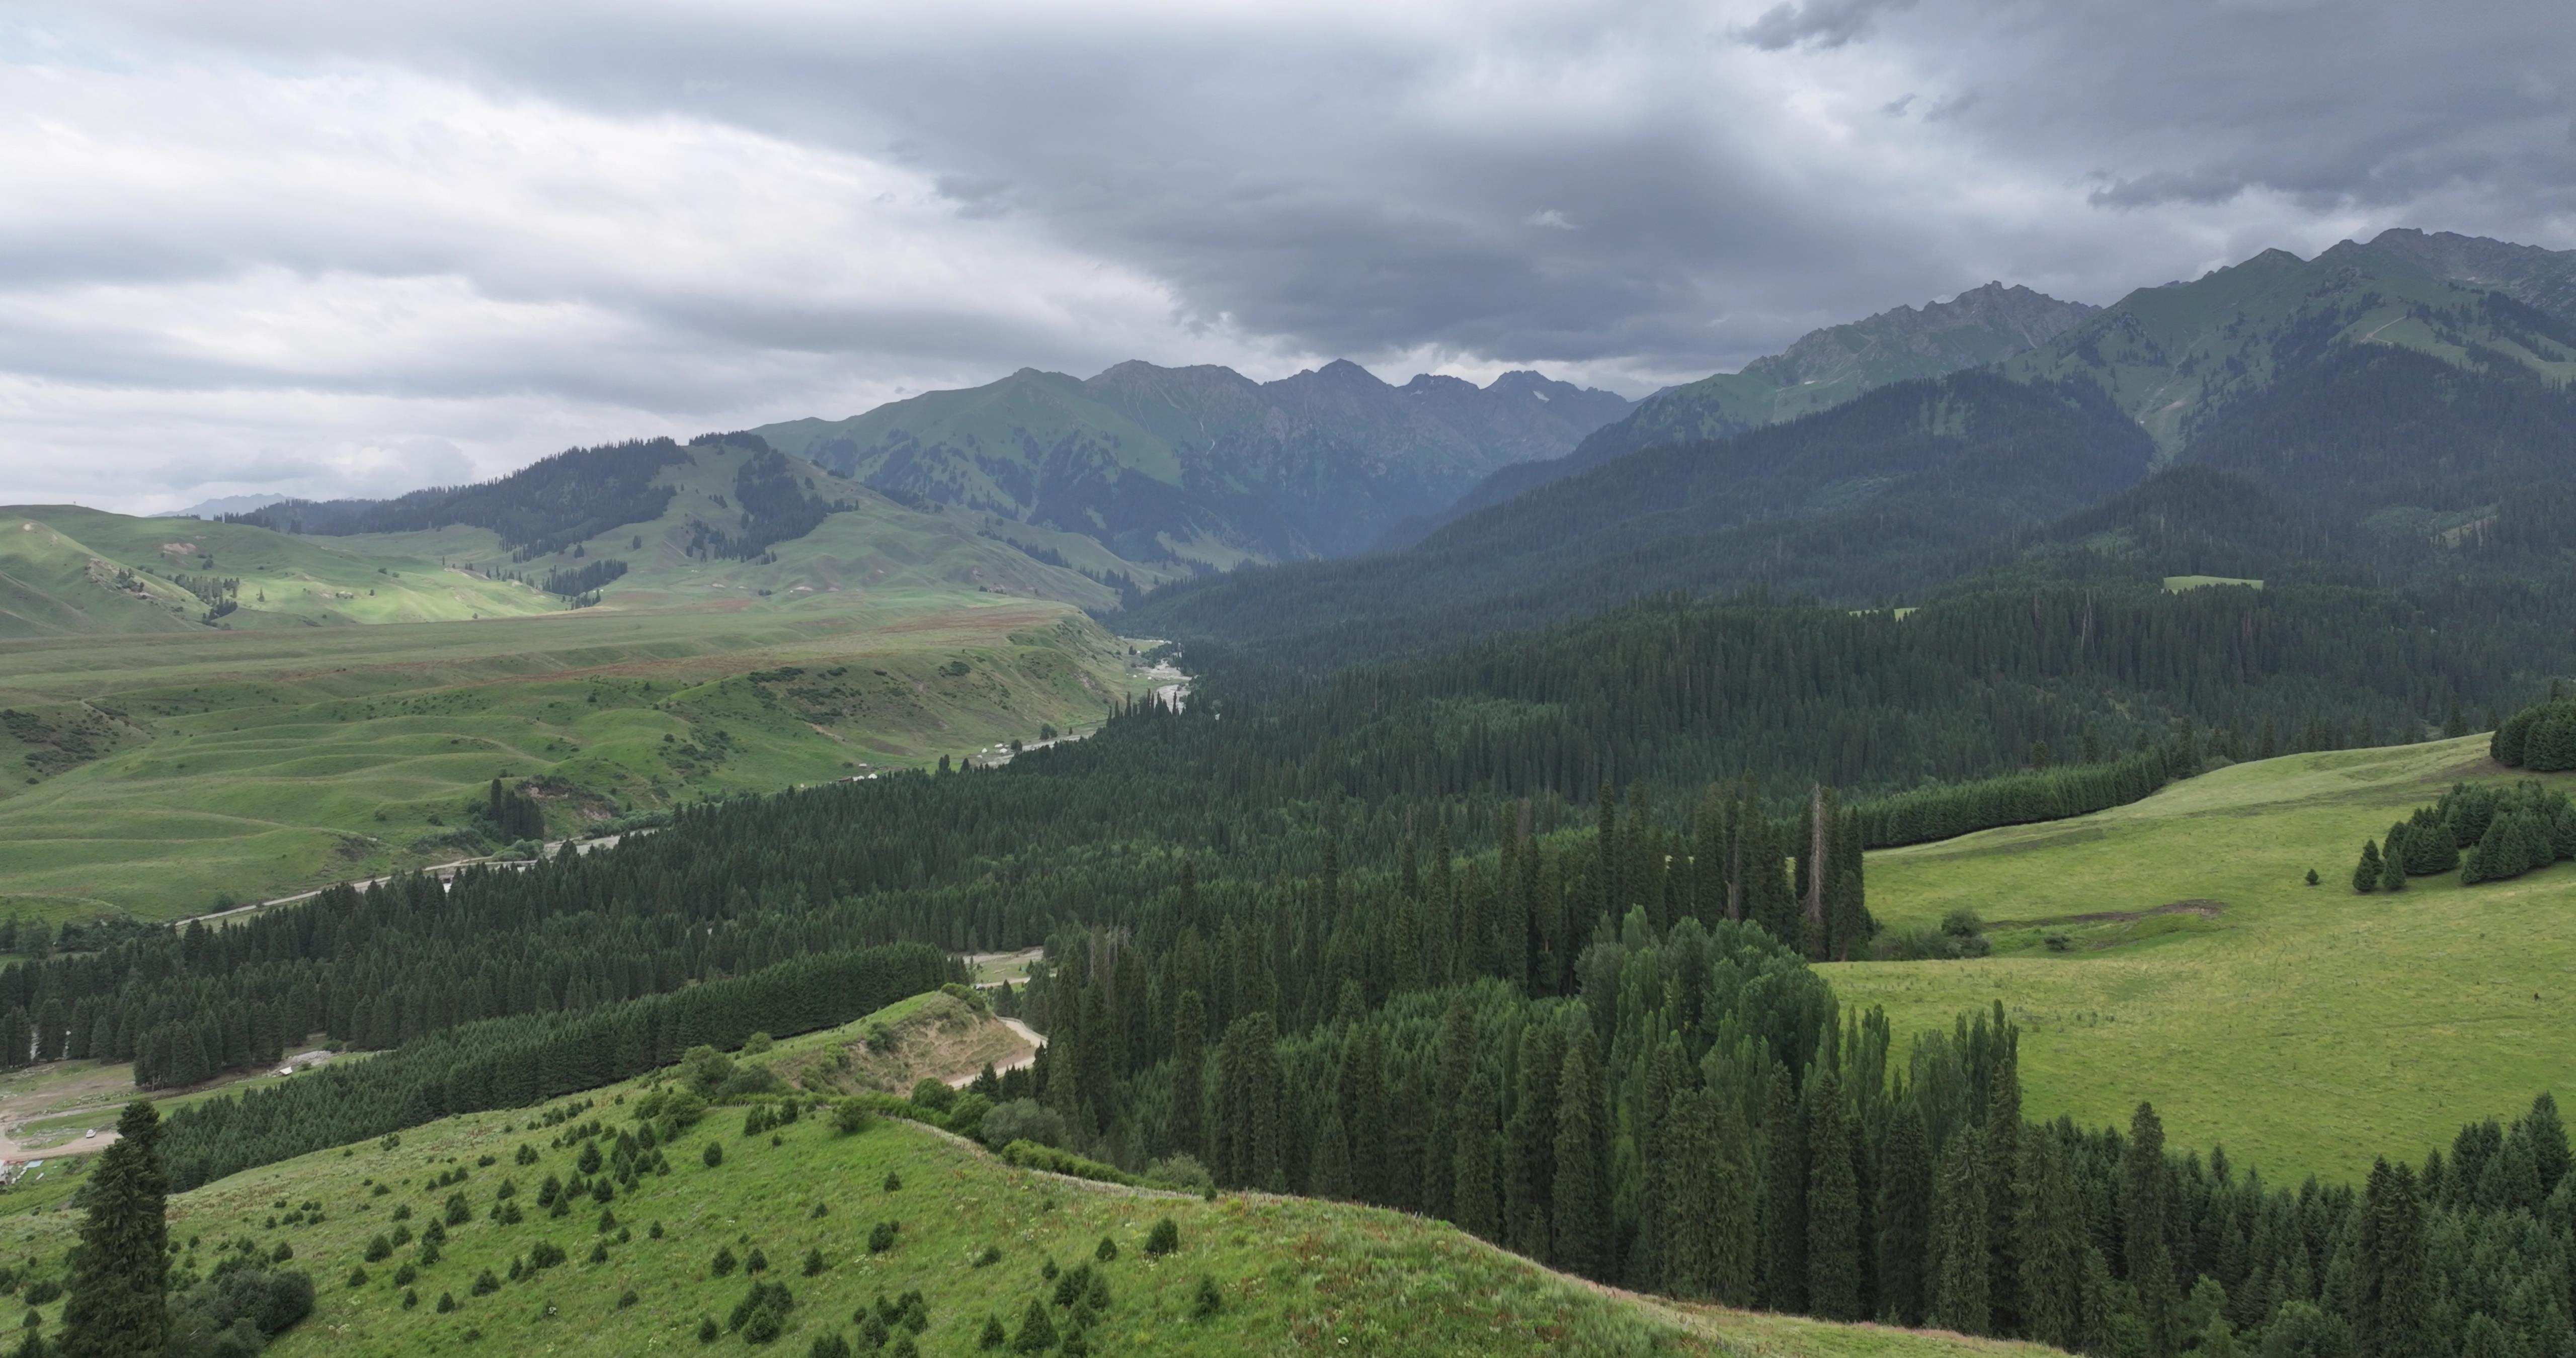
(250, 764)
(2308, 1029)
(65, 562)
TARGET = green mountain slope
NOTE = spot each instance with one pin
(1823, 369)
(2176, 357)
(639, 1271)
(1202, 463)
(1911, 473)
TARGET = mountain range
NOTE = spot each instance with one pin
(1202, 463)
(2390, 400)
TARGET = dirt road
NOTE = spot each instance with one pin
(1025, 1059)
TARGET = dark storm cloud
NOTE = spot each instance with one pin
(1643, 191)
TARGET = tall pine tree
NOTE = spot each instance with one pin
(1833, 1203)
(121, 1271)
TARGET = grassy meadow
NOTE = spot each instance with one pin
(159, 762)
(1294, 1275)
(2307, 1029)
(248, 764)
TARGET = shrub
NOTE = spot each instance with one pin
(893, 1182)
(1207, 1301)
(707, 1330)
(282, 1253)
(485, 1284)
(379, 1249)
(713, 1154)
(627, 1298)
(966, 1116)
(934, 1095)
(991, 1255)
(993, 1336)
(527, 1154)
(1181, 1172)
(829, 1346)
(724, 1263)
(1165, 1238)
(458, 1210)
(755, 1262)
(446, 1302)
(358, 1277)
(599, 1251)
(757, 1043)
(814, 1264)
(404, 1275)
(1022, 1120)
(1030, 1155)
(881, 1236)
(852, 1116)
(410, 1299)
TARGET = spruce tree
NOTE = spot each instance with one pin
(2049, 1241)
(1689, 1248)
(2366, 873)
(1833, 1204)
(1476, 1190)
(2003, 1133)
(1961, 1258)
(1904, 1217)
(1580, 1206)
(1189, 1077)
(1784, 1201)
(1529, 1164)
(121, 1271)
(2392, 1296)
(2142, 1213)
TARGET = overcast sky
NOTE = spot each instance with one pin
(322, 247)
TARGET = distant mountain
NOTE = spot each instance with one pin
(224, 504)
(1203, 463)
(1824, 369)
(2535, 277)
(2178, 357)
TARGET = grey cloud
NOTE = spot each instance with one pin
(1308, 185)
(1816, 23)
(2158, 187)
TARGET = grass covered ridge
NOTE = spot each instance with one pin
(2308, 1029)
(1292, 1275)
(248, 765)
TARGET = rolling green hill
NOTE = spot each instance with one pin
(2306, 1028)
(161, 761)
(167, 772)
(67, 570)
(639, 1271)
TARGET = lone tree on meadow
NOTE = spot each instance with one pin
(117, 1307)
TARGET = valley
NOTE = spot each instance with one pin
(1874, 837)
